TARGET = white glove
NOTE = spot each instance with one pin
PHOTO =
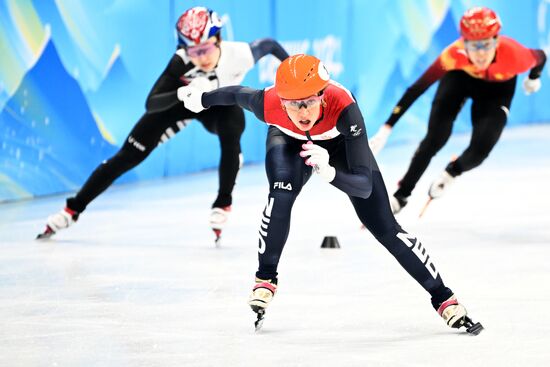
(318, 158)
(377, 142)
(531, 85)
(191, 98)
(202, 84)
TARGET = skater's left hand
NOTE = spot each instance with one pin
(191, 98)
(531, 85)
(318, 158)
(377, 142)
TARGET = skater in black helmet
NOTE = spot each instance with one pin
(316, 126)
(206, 62)
(481, 65)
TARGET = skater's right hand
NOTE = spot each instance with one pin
(318, 157)
(377, 142)
(191, 98)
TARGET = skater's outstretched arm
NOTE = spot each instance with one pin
(248, 98)
(532, 83)
(430, 76)
(265, 46)
(354, 180)
(536, 71)
(163, 95)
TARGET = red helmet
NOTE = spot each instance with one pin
(197, 25)
(479, 23)
(300, 76)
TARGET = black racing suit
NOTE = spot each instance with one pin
(165, 117)
(491, 101)
(490, 107)
(357, 174)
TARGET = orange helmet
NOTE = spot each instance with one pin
(300, 76)
(479, 23)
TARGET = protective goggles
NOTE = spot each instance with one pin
(201, 49)
(482, 45)
(296, 104)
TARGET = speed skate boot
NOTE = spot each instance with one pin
(218, 219)
(58, 221)
(456, 316)
(261, 296)
(397, 202)
(437, 189)
(440, 185)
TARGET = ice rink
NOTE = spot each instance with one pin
(139, 282)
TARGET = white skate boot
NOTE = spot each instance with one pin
(437, 189)
(262, 295)
(397, 203)
(58, 221)
(455, 315)
(440, 185)
(218, 219)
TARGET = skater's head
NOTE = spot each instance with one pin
(198, 32)
(300, 82)
(479, 27)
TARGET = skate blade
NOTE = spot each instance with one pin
(425, 207)
(258, 324)
(471, 328)
(47, 234)
(218, 240)
(260, 320)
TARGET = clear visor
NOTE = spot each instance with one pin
(201, 49)
(481, 45)
(296, 104)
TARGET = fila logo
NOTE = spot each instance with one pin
(420, 251)
(282, 185)
(354, 131)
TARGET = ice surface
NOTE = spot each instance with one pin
(138, 281)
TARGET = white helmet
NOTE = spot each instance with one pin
(197, 25)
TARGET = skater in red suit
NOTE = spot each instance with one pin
(315, 126)
(481, 65)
